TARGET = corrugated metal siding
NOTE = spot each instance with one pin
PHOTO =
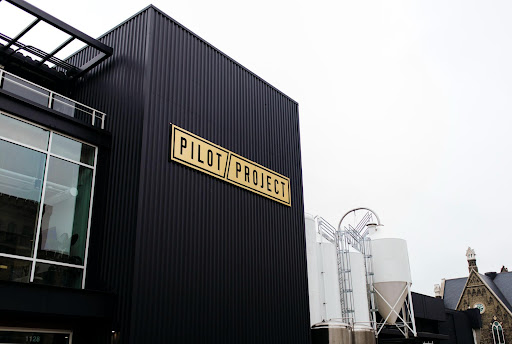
(212, 262)
(116, 88)
(225, 265)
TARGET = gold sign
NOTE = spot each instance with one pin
(200, 154)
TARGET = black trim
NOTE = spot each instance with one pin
(41, 299)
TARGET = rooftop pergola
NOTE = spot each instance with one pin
(13, 50)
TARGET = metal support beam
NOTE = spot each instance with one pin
(56, 50)
(22, 33)
(102, 50)
(36, 12)
(405, 324)
(90, 64)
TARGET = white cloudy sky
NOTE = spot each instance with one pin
(404, 108)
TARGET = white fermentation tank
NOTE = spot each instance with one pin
(359, 290)
(392, 275)
(324, 291)
(380, 277)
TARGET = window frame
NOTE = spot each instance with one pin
(499, 330)
(48, 155)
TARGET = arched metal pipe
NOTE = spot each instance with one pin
(356, 209)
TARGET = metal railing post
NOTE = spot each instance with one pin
(50, 100)
(39, 90)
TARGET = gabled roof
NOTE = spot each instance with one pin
(490, 283)
(503, 281)
(452, 291)
(501, 286)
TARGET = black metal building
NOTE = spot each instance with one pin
(174, 254)
(436, 324)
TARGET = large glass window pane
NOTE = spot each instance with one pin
(16, 270)
(22, 132)
(65, 212)
(26, 90)
(63, 105)
(72, 149)
(21, 176)
(61, 276)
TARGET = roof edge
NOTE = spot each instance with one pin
(464, 288)
(110, 30)
(127, 20)
(488, 288)
(496, 296)
(156, 9)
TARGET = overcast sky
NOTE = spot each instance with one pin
(404, 108)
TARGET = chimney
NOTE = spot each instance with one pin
(437, 291)
(471, 256)
(491, 275)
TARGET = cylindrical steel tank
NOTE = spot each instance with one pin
(392, 274)
(330, 280)
(359, 288)
(324, 292)
(363, 334)
(315, 303)
(331, 333)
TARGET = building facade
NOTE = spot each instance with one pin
(491, 293)
(108, 232)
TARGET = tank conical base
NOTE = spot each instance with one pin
(394, 293)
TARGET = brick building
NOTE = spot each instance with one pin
(490, 292)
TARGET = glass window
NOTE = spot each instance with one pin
(63, 105)
(72, 149)
(58, 275)
(65, 212)
(15, 270)
(22, 132)
(21, 179)
(45, 202)
(26, 90)
(497, 333)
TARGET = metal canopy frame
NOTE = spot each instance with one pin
(71, 71)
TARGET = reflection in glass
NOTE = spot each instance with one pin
(26, 90)
(65, 212)
(72, 149)
(16, 270)
(61, 276)
(21, 176)
(22, 132)
(63, 105)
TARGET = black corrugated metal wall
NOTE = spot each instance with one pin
(212, 262)
(116, 87)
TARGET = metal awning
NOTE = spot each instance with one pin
(12, 49)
